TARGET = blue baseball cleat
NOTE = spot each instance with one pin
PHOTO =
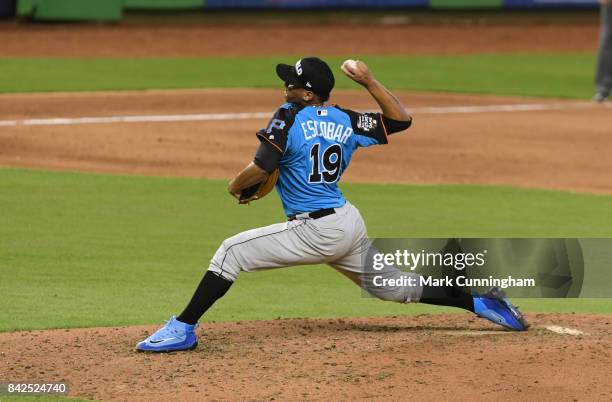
(173, 336)
(495, 307)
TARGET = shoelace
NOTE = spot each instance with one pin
(165, 331)
(168, 330)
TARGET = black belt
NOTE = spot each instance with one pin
(315, 214)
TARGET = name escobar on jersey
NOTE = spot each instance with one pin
(327, 129)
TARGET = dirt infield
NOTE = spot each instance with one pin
(565, 147)
(562, 148)
(429, 357)
(209, 39)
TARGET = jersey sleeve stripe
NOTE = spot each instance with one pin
(382, 121)
(275, 146)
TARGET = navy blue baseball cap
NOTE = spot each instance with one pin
(310, 73)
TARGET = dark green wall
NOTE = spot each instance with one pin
(67, 10)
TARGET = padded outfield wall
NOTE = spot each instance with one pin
(112, 10)
(435, 4)
(7, 8)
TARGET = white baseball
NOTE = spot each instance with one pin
(350, 64)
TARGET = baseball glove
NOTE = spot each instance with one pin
(259, 190)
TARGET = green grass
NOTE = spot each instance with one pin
(546, 75)
(95, 250)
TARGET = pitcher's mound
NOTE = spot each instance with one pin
(448, 356)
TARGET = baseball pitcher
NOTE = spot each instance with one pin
(304, 150)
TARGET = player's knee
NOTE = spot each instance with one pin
(225, 274)
(224, 262)
(397, 296)
(392, 295)
(396, 288)
(224, 270)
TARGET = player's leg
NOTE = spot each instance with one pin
(391, 284)
(296, 242)
(351, 264)
(291, 243)
(275, 246)
(493, 305)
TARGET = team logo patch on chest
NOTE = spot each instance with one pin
(366, 123)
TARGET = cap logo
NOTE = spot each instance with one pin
(308, 84)
(298, 67)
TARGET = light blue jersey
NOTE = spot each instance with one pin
(317, 143)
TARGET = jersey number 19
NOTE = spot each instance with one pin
(330, 162)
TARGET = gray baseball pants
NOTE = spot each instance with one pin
(337, 240)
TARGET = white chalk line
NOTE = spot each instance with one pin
(563, 330)
(553, 328)
(135, 119)
(264, 115)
